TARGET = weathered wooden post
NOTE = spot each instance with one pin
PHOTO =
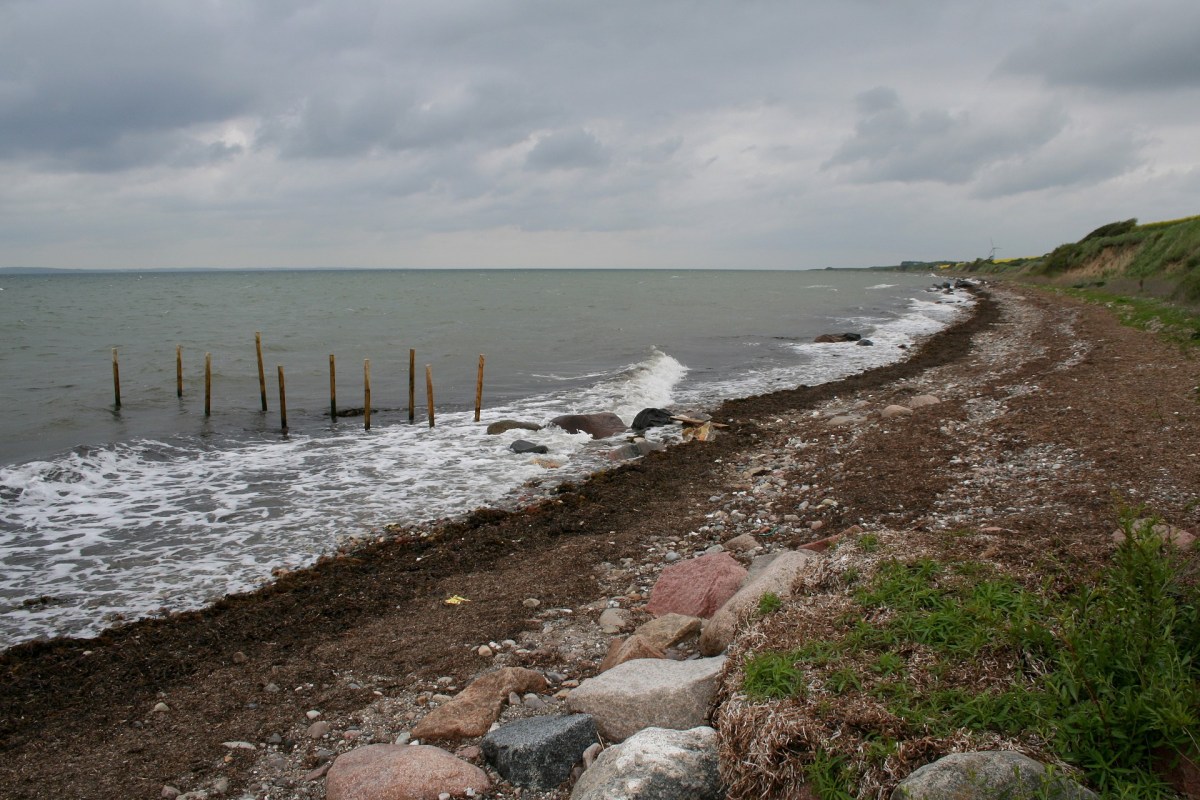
(116, 380)
(208, 384)
(332, 389)
(429, 390)
(282, 403)
(367, 394)
(179, 370)
(262, 380)
(479, 389)
(412, 385)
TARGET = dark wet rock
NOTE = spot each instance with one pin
(829, 338)
(523, 446)
(864, 343)
(651, 418)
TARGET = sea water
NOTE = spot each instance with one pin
(111, 514)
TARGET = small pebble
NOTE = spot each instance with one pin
(314, 714)
(161, 708)
(484, 651)
(239, 657)
(318, 729)
(531, 602)
(403, 738)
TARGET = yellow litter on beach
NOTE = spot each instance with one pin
(456, 600)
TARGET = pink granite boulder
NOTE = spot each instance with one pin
(696, 587)
(401, 772)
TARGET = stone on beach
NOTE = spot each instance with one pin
(614, 620)
(622, 650)
(539, 752)
(655, 764)
(648, 693)
(475, 708)
(696, 587)
(985, 775)
(922, 400)
(777, 578)
(668, 630)
(401, 772)
(895, 411)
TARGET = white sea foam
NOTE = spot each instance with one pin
(122, 532)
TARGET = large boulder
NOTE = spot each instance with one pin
(777, 578)
(599, 426)
(401, 772)
(988, 775)
(648, 693)
(655, 764)
(696, 587)
(539, 752)
(475, 708)
(830, 338)
(522, 446)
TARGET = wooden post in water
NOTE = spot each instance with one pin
(208, 384)
(429, 390)
(262, 380)
(332, 389)
(479, 388)
(116, 380)
(412, 385)
(179, 370)
(282, 402)
(367, 394)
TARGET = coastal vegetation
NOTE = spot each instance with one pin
(1157, 259)
(1101, 679)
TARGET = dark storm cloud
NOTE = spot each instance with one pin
(1128, 48)
(88, 88)
(891, 143)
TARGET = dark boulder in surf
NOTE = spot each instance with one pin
(599, 426)
(502, 425)
(522, 446)
(864, 342)
(651, 418)
(828, 338)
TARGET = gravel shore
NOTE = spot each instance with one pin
(1048, 414)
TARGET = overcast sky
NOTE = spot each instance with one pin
(553, 133)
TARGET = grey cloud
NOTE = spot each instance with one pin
(890, 143)
(1127, 48)
(1070, 162)
(571, 149)
(378, 115)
